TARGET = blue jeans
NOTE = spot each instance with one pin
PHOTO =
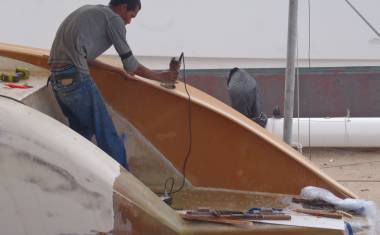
(83, 105)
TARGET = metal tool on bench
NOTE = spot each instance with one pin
(259, 210)
(19, 86)
(20, 74)
(252, 214)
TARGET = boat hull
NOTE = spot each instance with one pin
(227, 149)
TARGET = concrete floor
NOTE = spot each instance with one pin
(357, 169)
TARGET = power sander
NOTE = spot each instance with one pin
(175, 64)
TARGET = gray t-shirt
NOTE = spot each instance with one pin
(87, 33)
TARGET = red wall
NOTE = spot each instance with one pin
(324, 92)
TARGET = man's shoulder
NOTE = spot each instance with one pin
(105, 11)
(95, 9)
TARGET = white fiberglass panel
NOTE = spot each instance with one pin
(52, 181)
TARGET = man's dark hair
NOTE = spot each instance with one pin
(132, 4)
(232, 71)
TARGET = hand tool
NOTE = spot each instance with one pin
(258, 210)
(23, 72)
(12, 85)
(10, 77)
(175, 65)
(253, 214)
(19, 74)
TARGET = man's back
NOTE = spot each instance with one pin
(245, 95)
(87, 33)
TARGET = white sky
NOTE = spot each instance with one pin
(212, 28)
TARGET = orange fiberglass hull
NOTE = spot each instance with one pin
(227, 149)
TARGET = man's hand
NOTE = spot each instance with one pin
(168, 76)
(127, 75)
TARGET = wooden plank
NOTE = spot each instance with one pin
(319, 213)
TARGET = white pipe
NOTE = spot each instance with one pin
(331, 132)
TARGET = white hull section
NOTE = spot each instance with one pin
(330, 132)
(52, 180)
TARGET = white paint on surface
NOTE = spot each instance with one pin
(52, 180)
(216, 29)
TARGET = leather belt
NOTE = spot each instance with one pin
(59, 66)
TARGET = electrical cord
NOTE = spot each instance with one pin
(171, 179)
(363, 18)
(11, 98)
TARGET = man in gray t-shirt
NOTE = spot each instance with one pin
(84, 35)
(245, 95)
